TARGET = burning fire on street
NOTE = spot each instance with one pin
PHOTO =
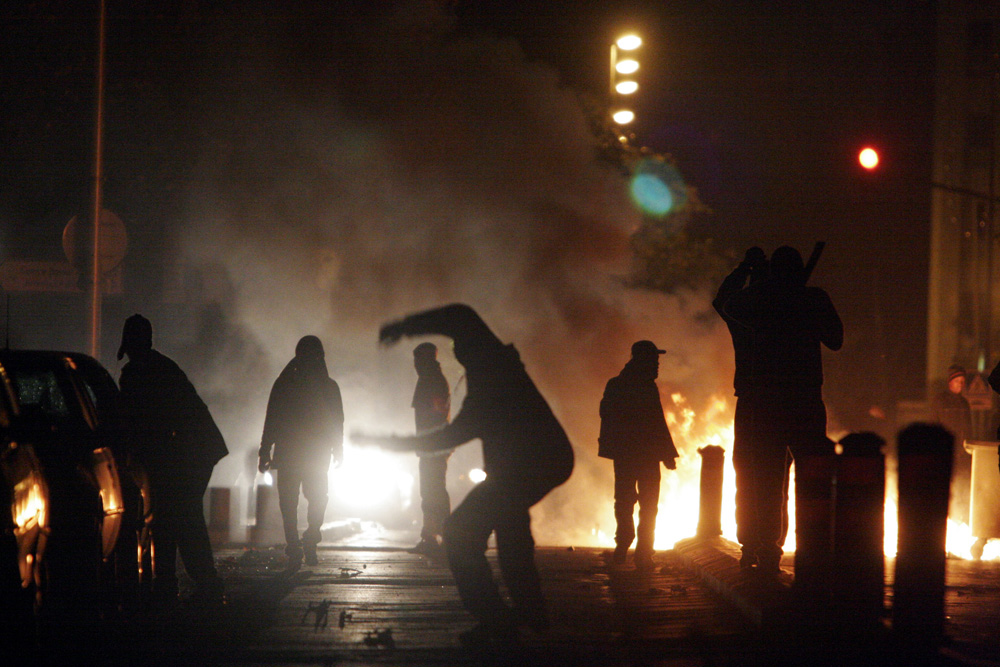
(680, 490)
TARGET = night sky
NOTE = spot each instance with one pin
(429, 142)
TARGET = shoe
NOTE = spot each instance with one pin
(309, 554)
(294, 563)
(429, 548)
(619, 556)
(644, 562)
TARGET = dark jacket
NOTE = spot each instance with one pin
(523, 442)
(741, 334)
(632, 423)
(305, 416)
(431, 398)
(169, 425)
(789, 323)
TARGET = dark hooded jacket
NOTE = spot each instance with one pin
(305, 416)
(632, 423)
(523, 442)
(170, 426)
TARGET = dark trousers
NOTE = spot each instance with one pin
(314, 483)
(178, 524)
(781, 423)
(748, 531)
(494, 506)
(636, 481)
(434, 501)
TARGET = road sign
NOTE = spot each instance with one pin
(978, 394)
(114, 240)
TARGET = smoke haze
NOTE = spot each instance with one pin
(354, 175)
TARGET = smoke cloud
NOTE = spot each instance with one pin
(352, 176)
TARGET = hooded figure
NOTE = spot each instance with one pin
(431, 409)
(634, 435)
(303, 431)
(526, 454)
(176, 443)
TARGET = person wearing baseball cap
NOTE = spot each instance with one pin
(634, 435)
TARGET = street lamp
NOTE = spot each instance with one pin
(623, 67)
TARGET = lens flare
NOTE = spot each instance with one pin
(657, 188)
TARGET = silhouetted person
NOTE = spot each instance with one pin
(177, 443)
(303, 432)
(526, 454)
(431, 409)
(789, 322)
(751, 270)
(951, 410)
(635, 436)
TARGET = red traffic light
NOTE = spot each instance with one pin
(868, 158)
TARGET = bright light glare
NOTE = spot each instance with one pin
(623, 117)
(626, 87)
(651, 194)
(627, 66)
(629, 42)
(267, 479)
(476, 475)
(370, 477)
(868, 158)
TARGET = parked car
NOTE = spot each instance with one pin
(61, 446)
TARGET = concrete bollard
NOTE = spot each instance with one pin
(813, 529)
(713, 460)
(219, 502)
(858, 536)
(925, 457)
(267, 528)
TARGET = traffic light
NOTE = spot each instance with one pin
(868, 158)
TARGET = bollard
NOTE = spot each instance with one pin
(858, 536)
(218, 515)
(813, 529)
(925, 456)
(267, 519)
(713, 459)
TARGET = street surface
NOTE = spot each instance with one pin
(369, 602)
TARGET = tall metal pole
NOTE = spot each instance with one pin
(94, 284)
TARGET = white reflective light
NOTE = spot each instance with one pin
(626, 87)
(623, 117)
(627, 66)
(629, 42)
(476, 475)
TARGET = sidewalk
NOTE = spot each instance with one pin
(972, 597)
